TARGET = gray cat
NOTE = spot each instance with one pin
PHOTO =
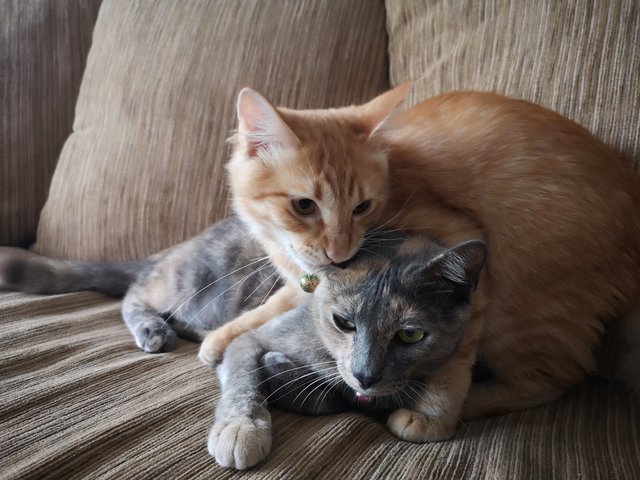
(370, 336)
(188, 289)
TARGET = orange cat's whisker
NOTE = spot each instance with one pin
(259, 285)
(239, 282)
(271, 289)
(265, 258)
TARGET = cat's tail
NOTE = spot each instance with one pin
(25, 271)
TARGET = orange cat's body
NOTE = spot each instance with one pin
(558, 209)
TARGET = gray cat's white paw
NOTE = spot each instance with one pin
(155, 336)
(416, 427)
(240, 443)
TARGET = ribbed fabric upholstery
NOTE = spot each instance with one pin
(577, 57)
(43, 49)
(144, 168)
(79, 400)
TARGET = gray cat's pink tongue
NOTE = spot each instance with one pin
(361, 399)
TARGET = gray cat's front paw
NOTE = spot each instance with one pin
(240, 443)
(417, 427)
(155, 336)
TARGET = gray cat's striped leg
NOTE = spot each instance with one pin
(150, 331)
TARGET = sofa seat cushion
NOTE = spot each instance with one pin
(79, 400)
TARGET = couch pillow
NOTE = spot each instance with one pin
(581, 59)
(143, 168)
(43, 49)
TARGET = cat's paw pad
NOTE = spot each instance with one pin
(239, 443)
(155, 336)
(416, 427)
(213, 347)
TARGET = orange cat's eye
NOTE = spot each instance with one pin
(304, 206)
(362, 208)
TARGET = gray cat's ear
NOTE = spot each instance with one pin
(260, 124)
(461, 264)
(375, 112)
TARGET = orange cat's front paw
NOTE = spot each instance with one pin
(213, 347)
(417, 427)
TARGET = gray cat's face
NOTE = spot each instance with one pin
(388, 323)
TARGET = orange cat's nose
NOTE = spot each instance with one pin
(337, 255)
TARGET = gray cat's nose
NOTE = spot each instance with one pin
(365, 380)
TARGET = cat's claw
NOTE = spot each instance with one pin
(417, 427)
(240, 443)
(154, 336)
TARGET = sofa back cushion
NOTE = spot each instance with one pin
(581, 59)
(43, 49)
(144, 167)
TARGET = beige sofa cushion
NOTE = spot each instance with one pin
(43, 48)
(144, 167)
(579, 58)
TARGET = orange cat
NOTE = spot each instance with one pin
(560, 212)
(308, 185)
(558, 209)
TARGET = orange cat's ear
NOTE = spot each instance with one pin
(375, 112)
(260, 124)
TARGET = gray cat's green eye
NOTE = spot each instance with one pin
(362, 208)
(343, 323)
(410, 335)
(304, 206)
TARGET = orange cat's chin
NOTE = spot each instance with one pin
(307, 266)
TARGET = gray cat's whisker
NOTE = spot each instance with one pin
(250, 372)
(335, 382)
(266, 257)
(286, 385)
(314, 385)
(326, 386)
(285, 362)
(288, 370)
(317, 384)
(411, 394)
(321, 381)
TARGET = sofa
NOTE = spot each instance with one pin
(113, 130)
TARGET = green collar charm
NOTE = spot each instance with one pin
(309, 282)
